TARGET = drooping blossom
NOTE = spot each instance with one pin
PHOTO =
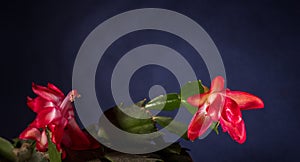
(55, 112)
(224, 106)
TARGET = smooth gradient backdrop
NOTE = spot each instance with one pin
(258, 41)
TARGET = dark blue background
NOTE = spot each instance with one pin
(258, 41)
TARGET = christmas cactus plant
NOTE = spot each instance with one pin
(54, 134)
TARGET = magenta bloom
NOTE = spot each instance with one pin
(56, 113)
(224, 106)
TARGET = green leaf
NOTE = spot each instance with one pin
(172, 125)
(173, 153)
(135, 119)
(6, 150)
(129, 120)
(54, 154)
(190, 89)
(174, 148)
(166, 102)
(121, 157)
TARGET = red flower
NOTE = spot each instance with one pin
(56, 113)
(221, 105)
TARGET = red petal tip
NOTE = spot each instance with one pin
(29, 98)
(217, 84)
(246, 101)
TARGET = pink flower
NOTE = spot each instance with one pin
(221, 105)
(56, 113)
